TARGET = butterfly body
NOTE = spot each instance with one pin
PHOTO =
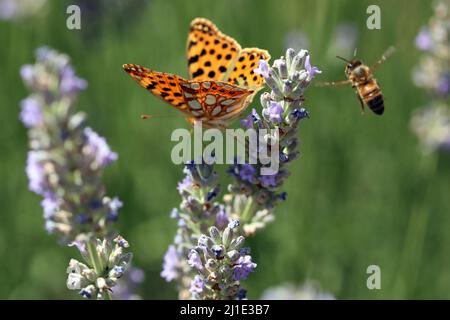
(222, 81)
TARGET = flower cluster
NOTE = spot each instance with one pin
(221, 263)
(205, 259)
(66, 159)
(64, 166)
(282, 110)
(432, 123)
(96, 278)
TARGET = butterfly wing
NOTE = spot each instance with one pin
(216, 56)
(212, 102)
(210, 53)
(215, 102)
(243, 70)
(165, 86)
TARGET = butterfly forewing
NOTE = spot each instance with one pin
(210, 53)
(163, 85)
(206, 100)
(243, 70)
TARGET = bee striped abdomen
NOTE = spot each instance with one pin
(371, 94)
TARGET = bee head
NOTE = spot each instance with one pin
(352, 65)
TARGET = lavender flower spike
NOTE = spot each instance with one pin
(254, 195)
(64, 166)
(75, 204)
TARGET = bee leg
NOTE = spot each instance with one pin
(361, 102)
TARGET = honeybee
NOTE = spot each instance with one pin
(360, 77)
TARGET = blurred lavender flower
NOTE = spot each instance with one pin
(432, 124)
(18, 9)
(172, 261)
(423, 40)
(253, 195)
(64, 166)
(31, 114)
(288, 291)
(433, 72)
(66, 158)
(127, 286)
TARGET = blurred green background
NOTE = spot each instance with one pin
(361, 193)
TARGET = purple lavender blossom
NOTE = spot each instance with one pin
(197, 285)
(27, 74)
(263, 68)
(312, 71)
(31, 114)
(268, 180)
(114, 205)
(171, 264)
(50, 204)
(253, 117)
(243, 268)
(424, 41)
(37, 181)
(81, 246)
(221, 218)
(98, 148)
(247, 172)
(194, 260)
(185, 184)
(70, 83)
(274, 112)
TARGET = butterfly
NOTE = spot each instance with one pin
(222, 81)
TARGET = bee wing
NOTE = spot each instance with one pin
(383, 58)
(333, 83)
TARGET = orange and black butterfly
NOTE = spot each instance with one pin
(222, 81)
(360, 77)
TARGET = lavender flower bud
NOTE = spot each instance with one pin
(215, 234)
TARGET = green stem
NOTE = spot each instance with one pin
(97, 263)
(95, 259)
(247, 214)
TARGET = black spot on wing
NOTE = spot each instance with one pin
(198, 73)
(193, 59)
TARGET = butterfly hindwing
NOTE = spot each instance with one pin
(210, 53)
(210, 100)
